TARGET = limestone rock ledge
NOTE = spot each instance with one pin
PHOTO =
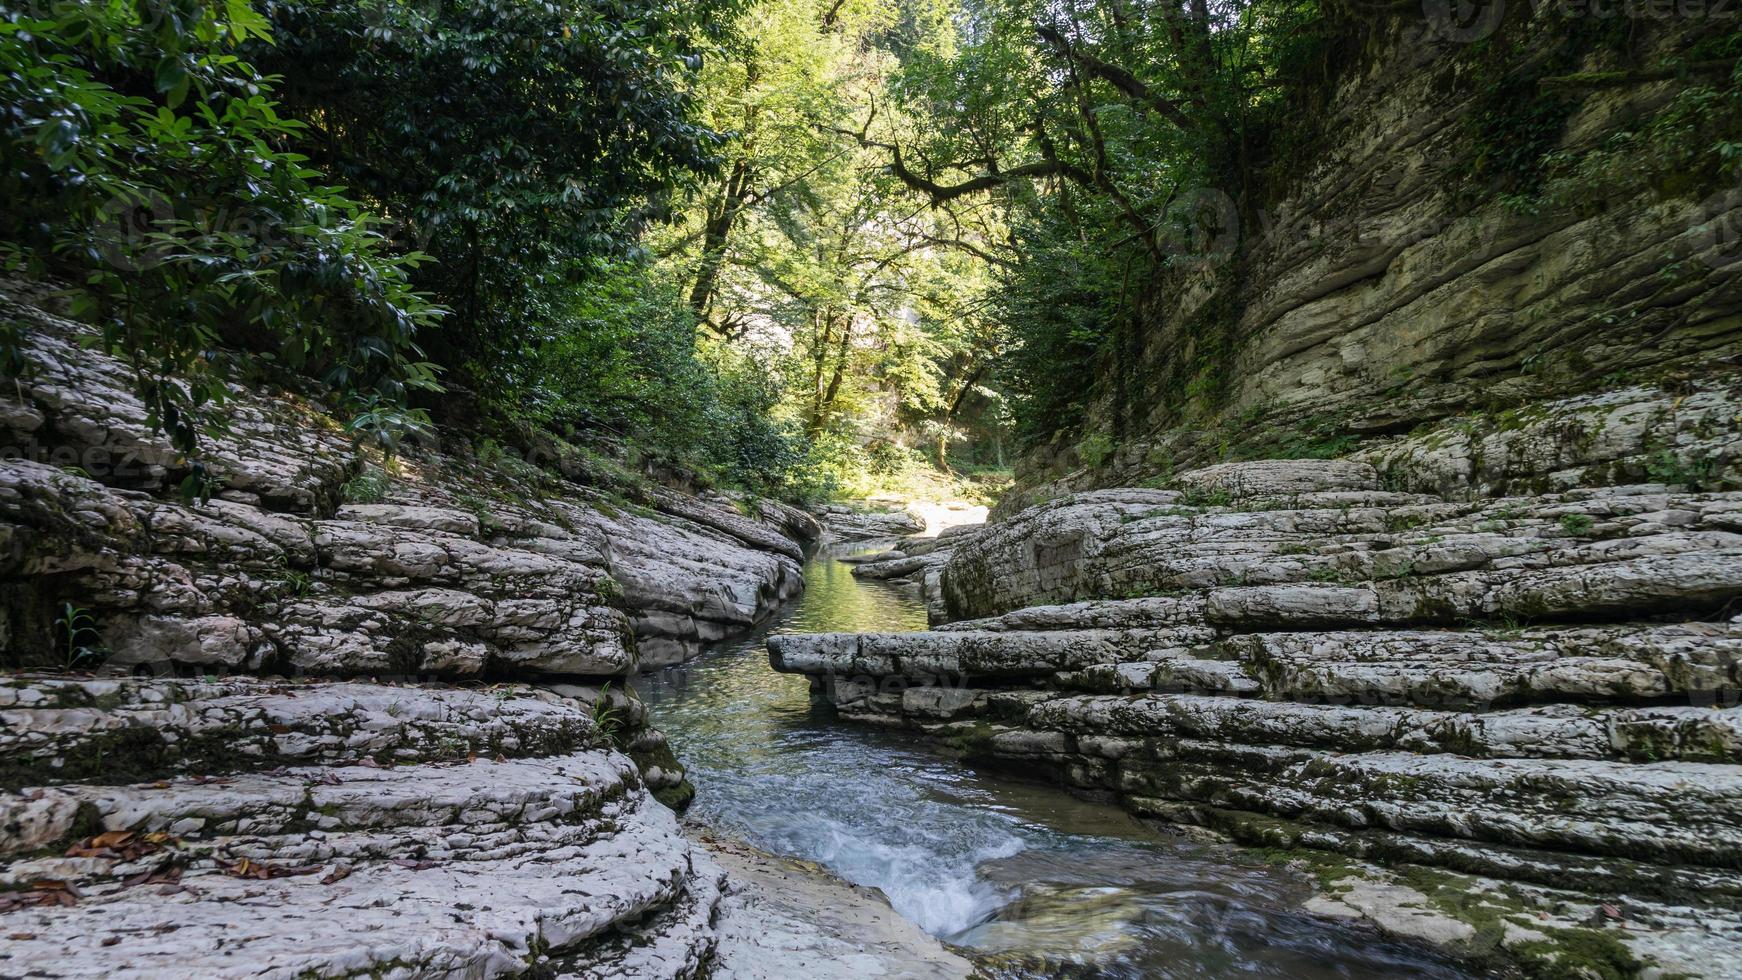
(272, 828)
(345, 717)
(1505, 724)
(844, 524)
(310, 558)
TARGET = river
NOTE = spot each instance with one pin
(1025, 878)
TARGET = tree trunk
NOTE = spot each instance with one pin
(715, 236)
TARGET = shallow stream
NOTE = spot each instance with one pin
(1026, 878)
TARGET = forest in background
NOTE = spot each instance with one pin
(804, 248)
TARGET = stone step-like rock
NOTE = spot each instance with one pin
(991, 654)
(1281, 477)
(1108, 723)
(1430, 683)
(1143, 613)
(64, 730)
(1099, 546)
(432, 870)
(1583, 441)
(1669, 812)
(1673, 913)
(1482, 668)
(1704, 578)
(843, 523)
(902, 567)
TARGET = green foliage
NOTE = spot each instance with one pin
(368, 487)
(78, 637)
(1060, 307)
(516, 142)
(143, 160)
(1694, 473)
(1577, 525)
(607, 720)
(1095, 450)
(622, 365)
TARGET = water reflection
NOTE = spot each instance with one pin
(1032, 880)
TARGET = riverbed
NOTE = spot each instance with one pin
(1024, 878)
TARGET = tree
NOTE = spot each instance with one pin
(516, 142)
(141, 159)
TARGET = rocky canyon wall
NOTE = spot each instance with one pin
(349, 716)
(1400, 275)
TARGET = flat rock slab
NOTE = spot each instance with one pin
(482, 870)
(784, 918)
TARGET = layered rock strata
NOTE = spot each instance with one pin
(1503, 723)
(917, 562)
(846, 524)
(278, 828)
(1395, 282)
(349, 716)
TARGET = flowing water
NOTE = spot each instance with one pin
(1026, 878)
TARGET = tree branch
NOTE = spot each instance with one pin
(1115, 76)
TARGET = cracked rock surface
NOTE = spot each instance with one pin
(344, 717)
(1506, 724)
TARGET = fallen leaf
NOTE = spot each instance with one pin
(339, 873)
(55, 885)
(111, 940)
(264, 870)
(20, 936)
(123, 845)
(167, 874)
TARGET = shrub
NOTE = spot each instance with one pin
(141, 159)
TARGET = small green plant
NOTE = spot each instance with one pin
(479, 508)
(1396, 522)
(1577, 525)
(367, 487)
(77, 630)
(298, 582)
(1695, 473)
(607, 719)
(1199, 497)
(1095, 450)
(611, 590)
